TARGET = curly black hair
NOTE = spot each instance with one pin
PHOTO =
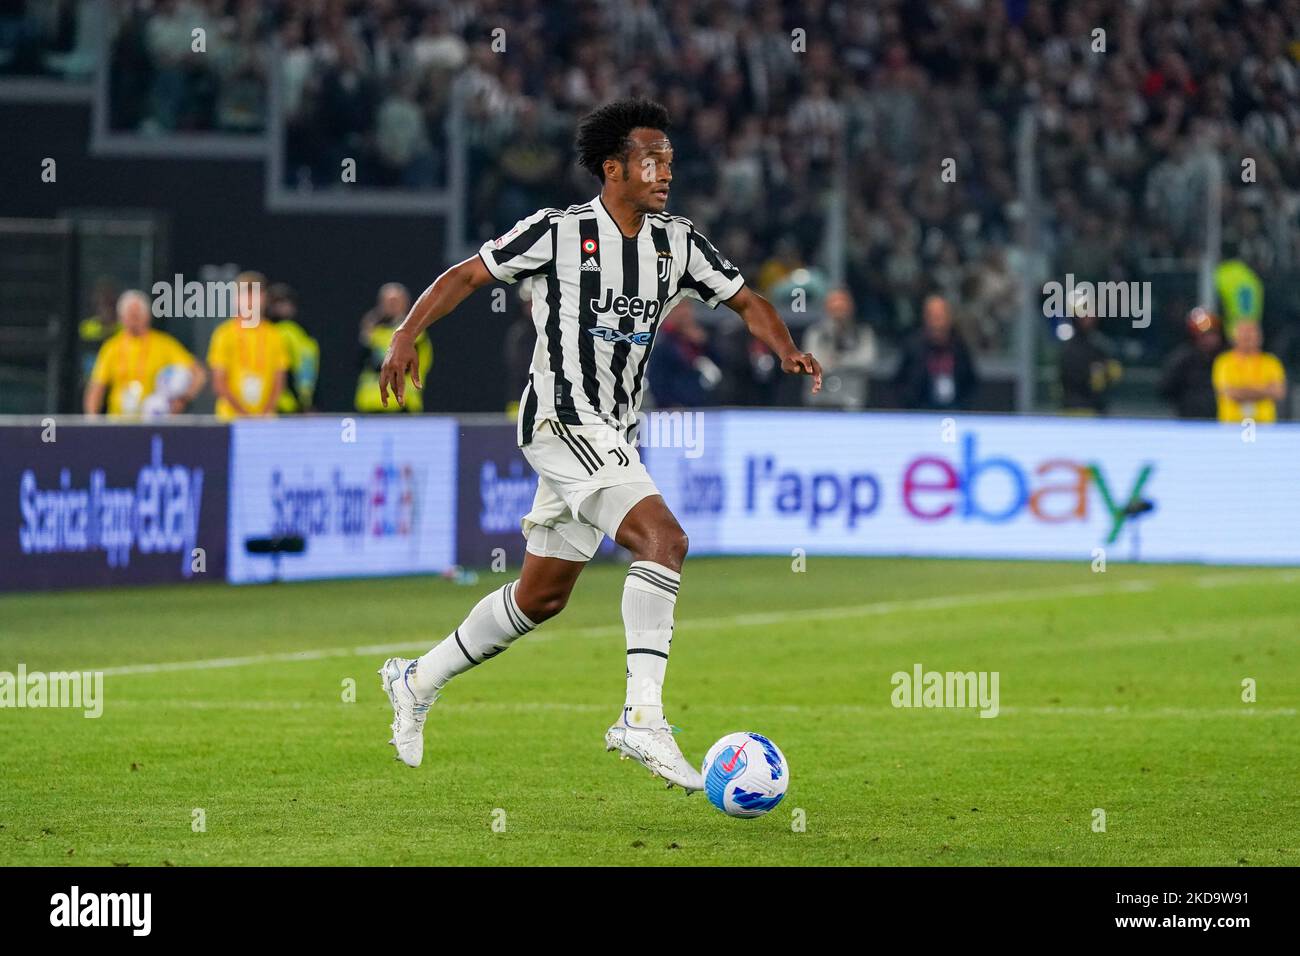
(603, 133)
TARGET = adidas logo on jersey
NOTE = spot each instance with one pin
(590, 265)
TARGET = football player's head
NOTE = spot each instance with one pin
(625, 145)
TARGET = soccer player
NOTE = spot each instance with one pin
(602, 276)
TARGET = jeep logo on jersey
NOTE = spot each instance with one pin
(632, 307)
(614, 335)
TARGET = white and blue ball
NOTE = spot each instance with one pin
(745, 775)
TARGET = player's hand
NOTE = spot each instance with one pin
(401, 359)
(803, 363)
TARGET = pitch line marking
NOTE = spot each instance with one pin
(604, 630)
(973, 599)
(525, 706)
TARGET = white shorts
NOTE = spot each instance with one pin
(589, 478)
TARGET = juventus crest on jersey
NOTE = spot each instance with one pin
(598, 299)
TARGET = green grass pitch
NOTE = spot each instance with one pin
(1119, 691)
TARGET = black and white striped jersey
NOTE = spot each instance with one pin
(598, 299)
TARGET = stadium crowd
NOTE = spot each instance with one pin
(901, 117)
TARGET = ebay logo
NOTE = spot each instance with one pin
(1053, 491)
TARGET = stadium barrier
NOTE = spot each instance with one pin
(369, 495)
(766, 482)
(95, 506)
(318, 497)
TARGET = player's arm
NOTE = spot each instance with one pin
(765, 325)
(443, 295)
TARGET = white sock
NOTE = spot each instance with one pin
(491, 627)
(649, 596)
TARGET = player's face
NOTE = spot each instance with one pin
(649, 170)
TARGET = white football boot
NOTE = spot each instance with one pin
(655, 748)
(409, 710)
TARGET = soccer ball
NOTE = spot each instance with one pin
(745, 775)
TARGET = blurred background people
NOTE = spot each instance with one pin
(936, 370)
(247, 356)
(1088, 368)
(846, 349)
(301, 350)
(893, 88)
(683, 372)
(1249, 382)
(97, 328)
(377, 328)
(1186, 381)
(142, 371)
(1240, 291)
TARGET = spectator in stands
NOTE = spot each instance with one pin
(846, 350)
(683, 373)
(377, 327)
(141, 368)
(181, 83)
(751, 373)
(301, 350)
(884, 95)
(247, 356)
(1248, 381)
(240, 71)
(1088, 368)
(992, 296)
(402, 139)
(1186, 381)
(936, 370)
